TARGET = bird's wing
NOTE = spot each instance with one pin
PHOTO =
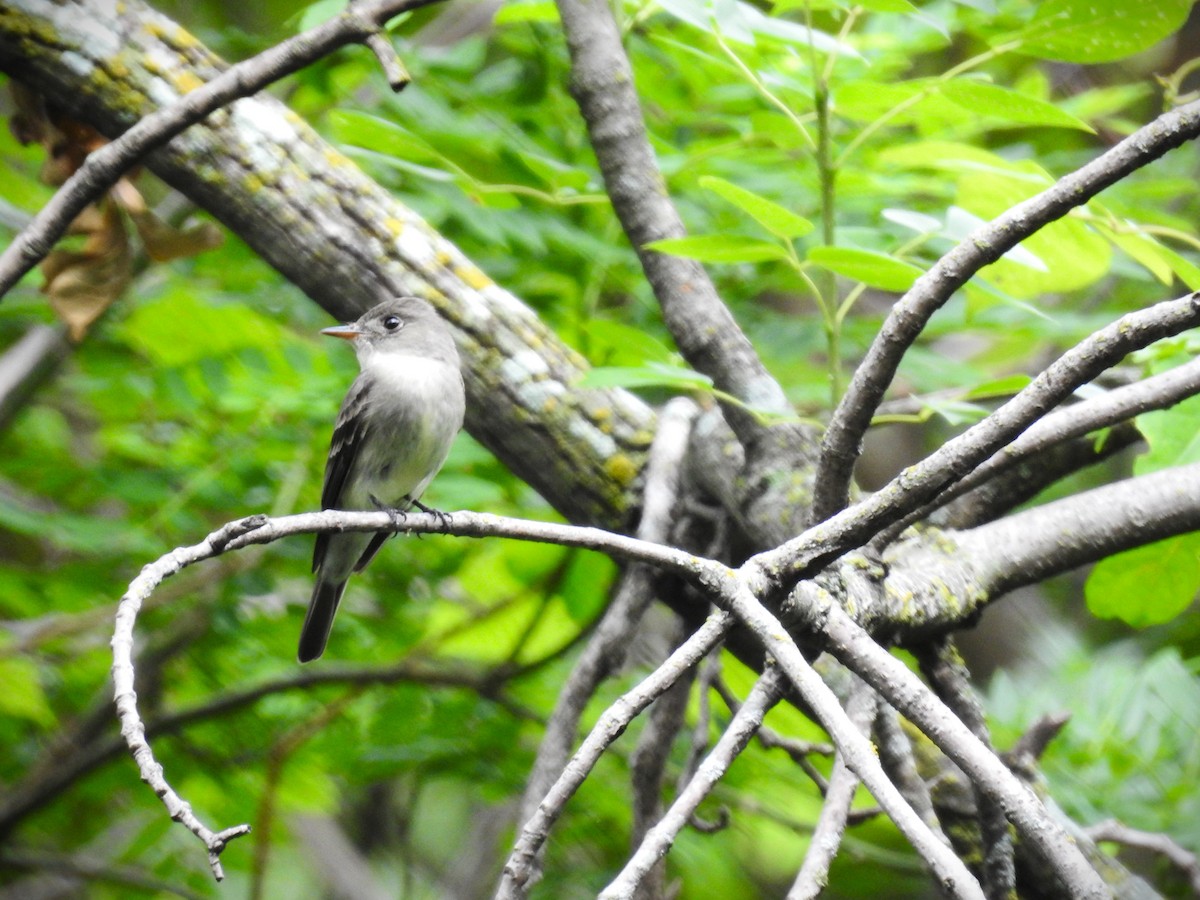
(344, 447)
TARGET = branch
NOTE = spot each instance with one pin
(843, 438)
(103, 167)
(648, 765)
(946, 672)
(903, 690)
(27, 364)
(93, 869)
(1112, 407)
(918, 484)
(899, 761)
(1023, 482)
(702, 326)
(835, 812)
(262, 171)
(765, 694)
(28, 796)
(607, 646)
(948, 870)
(519, 869)
(1180, 857)
(1056, 537)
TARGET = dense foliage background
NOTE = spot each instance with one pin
(204, 394)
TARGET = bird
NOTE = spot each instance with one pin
(393, 434)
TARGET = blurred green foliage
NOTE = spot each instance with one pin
(205, 395)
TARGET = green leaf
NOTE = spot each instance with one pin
(999, 387)
(1071, 254)
(777, 219)
(381, 135)
(23, 696)
(1147, 585)
(872, 268)
(1097, 31)
(612, 343)
(888, 6)
(538, 11)
(182, 329)
(1172, 435)
(315, 13)
(1021, 109)
(1185, 270)
(720, 248)
(1144, 249)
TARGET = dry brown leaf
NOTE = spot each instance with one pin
(82, 284)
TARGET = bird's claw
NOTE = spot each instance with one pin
(444, 518)
(394, 513)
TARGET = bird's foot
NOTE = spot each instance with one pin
(444, 519)
(396, 514)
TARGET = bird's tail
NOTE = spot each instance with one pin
(319, 621)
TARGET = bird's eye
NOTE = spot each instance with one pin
(391, 323)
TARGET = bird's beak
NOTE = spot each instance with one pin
(346, 332)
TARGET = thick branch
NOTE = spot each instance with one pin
(313, 215)
(1032, 545)
(703, 328)
(842, 443)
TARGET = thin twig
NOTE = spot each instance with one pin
(948, 675)
(1180, 857)
(948, 870)
(648, 765)
(899, 761)
(608, 644)
(765, 694)
(835, 812)
(70, 866)
(1112, 407)
(903, 690)
(610, 726)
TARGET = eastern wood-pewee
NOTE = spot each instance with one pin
(392, 435)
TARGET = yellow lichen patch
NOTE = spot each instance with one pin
(185, 82)
(117, 70)
(394, 226)
(473, 276)
(620, 468)
(181, 39)
(334, 158)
